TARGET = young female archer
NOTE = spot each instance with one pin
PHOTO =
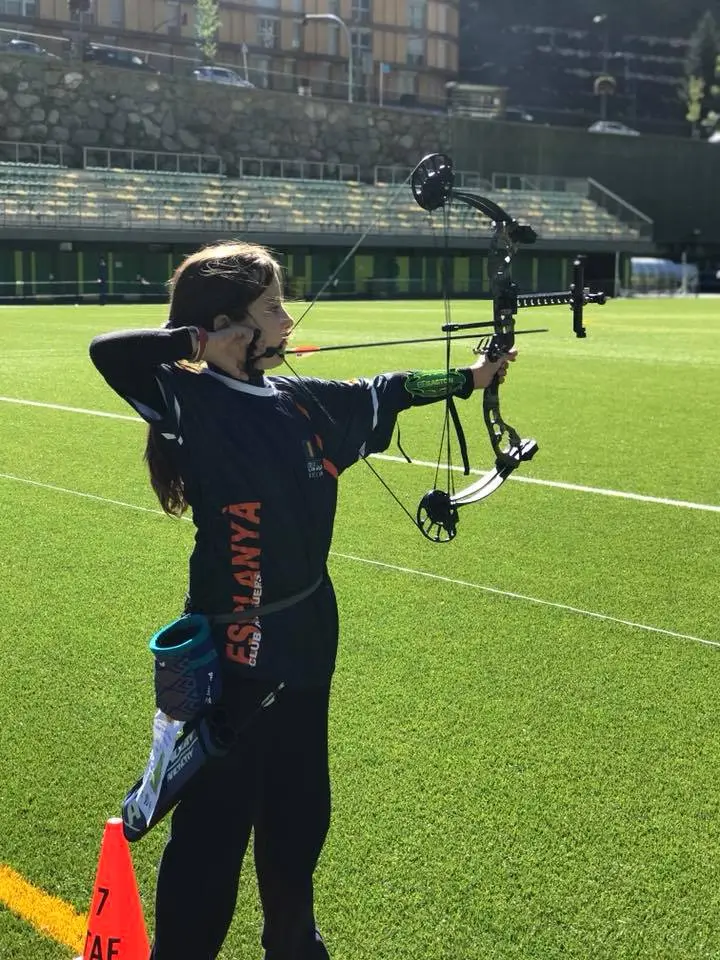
(257, 460)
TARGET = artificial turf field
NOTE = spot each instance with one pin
(513, 779)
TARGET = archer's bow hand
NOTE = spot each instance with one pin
(483, 370)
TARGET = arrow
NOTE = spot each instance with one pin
(300, 351)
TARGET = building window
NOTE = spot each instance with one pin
(298, 6)
(415, 51)
(174, 20)
(117, 12)
(417, 14)
(406, 83)
(87, 17)
(334, 7)
(362, 49)
(333, 35)
(268, 32)
(298, 34)
(268, 4)
(361, 11)
(261, 70)
(19, 8)
(442, 18)
(361, 41)
(442, 57)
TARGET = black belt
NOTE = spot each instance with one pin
(253, 613)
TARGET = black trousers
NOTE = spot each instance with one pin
(276, 783)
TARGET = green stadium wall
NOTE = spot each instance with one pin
(41, 271)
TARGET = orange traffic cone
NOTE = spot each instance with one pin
(116, 928)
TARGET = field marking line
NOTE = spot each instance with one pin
(521, 596)
(49, 915)
(556, 484)
(495, 591)
(580, 488)
(64, 409)
(79, 493)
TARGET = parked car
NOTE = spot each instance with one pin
(612, 126)
(116, 58)
(517, 115)
(17, 45)
(221, 75)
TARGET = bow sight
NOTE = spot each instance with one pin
(432, 184)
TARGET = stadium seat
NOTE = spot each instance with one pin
(251, 204)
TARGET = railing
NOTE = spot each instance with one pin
(297, 169)
(155, 161)
(398, 175)
(620, 209)
(540, 184)
(47, 154)
(59, 47)
(72, 289)
(588, 188)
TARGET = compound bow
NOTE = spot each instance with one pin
(433, 187)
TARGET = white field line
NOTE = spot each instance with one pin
(521, 596)
(410, 571)
(59, 406)
(579, 488)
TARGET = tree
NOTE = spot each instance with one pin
(701, 88)
(207, 26)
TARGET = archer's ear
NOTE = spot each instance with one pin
(221, 322)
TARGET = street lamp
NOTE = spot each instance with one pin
(335, 19)
(598, 20)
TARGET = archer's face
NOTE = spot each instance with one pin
(269, 315)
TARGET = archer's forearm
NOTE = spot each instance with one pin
(128, 359)
(141, 348)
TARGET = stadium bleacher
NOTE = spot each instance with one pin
(58, 197)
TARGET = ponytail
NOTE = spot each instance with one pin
(165, 478)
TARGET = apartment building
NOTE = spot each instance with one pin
(403, 51)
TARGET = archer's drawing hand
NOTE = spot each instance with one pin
(227, 349)
(484, 371)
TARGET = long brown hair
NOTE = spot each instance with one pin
(224, 278)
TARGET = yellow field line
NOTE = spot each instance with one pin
(50, 915)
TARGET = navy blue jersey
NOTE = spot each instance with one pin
(260, 464)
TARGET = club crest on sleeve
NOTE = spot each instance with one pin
(313, 460)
